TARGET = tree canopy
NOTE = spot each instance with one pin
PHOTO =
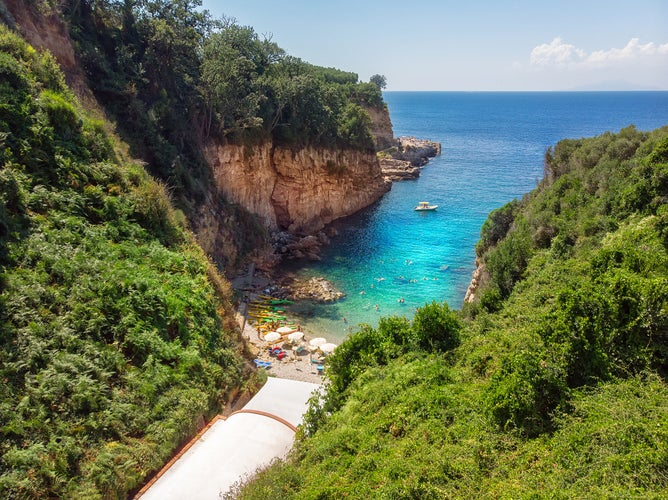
(379, 80)
(159, 67)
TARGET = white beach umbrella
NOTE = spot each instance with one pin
(284, 329)
(296, 336)
(272, 336)
(318, 341)
(328, 347)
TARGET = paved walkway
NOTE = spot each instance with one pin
(236, 447)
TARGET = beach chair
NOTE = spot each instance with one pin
(262, 364)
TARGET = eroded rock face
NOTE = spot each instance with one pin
(478, 278)
(299, 191)
(398, 170)
(381, 128)
(49, 32)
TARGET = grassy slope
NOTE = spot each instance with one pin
(557, 388)
(113, 338)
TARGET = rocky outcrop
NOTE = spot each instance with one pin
(301, 247)
(404, 160)
(477, 279)
(416, 151)
(398, 170)
(299, 191)
(316, 289)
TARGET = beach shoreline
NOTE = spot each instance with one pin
(301, 366)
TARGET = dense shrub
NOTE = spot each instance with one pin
(112, 342)
(436, 327)
(496, 226)
(526, 392)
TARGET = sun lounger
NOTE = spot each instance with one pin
(262, 364)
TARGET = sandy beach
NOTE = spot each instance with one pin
(293, 366)
(262, 297)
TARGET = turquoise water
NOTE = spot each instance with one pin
(389, 259)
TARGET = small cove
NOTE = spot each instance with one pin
(389, 259)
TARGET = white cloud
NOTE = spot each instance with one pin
(556, 53)
(633, 50)
(560, 54)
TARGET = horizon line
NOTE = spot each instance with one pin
(537, 91)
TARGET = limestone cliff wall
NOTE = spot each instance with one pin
(381, 128)
(300, 191)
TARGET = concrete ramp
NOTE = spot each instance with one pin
(233, 448)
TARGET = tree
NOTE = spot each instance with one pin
(436, 327)
(379, 80)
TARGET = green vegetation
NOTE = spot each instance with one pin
(551, 385)
(379, 80)
(172, 77)
(114, 345)
(113, 342)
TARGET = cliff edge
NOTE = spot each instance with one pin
(299, 191)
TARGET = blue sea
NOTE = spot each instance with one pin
(389, 259)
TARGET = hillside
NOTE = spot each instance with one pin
(229, 121)
(116, 332)
(552, 383)
(223, 116)
(115, 335)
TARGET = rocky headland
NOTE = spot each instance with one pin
(406, 157)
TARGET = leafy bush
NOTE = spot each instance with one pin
(436, 327)
(496, 226)
(112, 344)
(526, 392)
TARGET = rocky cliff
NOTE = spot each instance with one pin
(299, 191)
(296, 191)
(381, 128)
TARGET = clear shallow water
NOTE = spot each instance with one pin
(389, 259)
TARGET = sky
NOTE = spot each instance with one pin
(472, 45)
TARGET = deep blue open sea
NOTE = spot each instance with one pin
(493, 144)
